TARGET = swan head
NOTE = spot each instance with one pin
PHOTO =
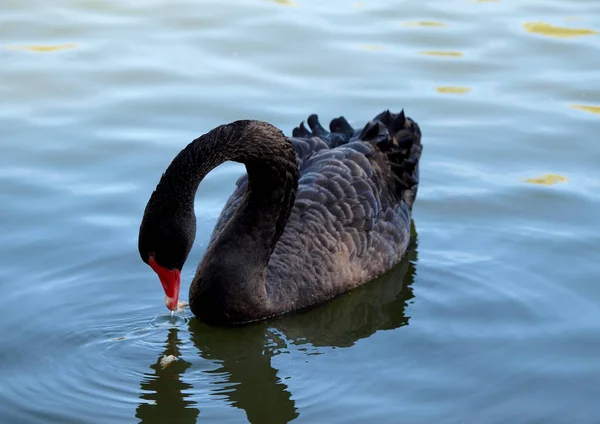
(164, 243)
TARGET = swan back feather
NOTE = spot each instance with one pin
(350, 221)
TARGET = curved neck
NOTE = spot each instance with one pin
(231, 277)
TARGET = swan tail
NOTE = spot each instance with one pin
(399, 138)
(394, 134)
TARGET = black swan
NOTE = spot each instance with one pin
(317, 214)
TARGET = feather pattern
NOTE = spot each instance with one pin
(350, 221)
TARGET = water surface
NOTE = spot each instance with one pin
(493, 317)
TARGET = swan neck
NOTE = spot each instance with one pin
(232, 275)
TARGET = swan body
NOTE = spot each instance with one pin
(316, 215)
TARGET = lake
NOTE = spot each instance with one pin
(493, 316)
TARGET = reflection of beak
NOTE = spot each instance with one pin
(170, 280)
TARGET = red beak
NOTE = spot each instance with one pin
(170, 280)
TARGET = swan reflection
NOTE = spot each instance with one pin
(163, 393)
(245, 376)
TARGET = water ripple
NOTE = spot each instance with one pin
(98, 97)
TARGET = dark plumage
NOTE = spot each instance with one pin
(316, 215)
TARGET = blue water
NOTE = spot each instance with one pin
(493, 317)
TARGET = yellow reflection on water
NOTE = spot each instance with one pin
(43, 49)
(358, 4)
(441, 53)
(285, 2)
(556, 31)
(424, 24)
(452, 90)
(547, 180)
(587, 108)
